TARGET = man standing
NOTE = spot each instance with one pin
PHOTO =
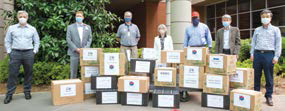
(228, 37)
(196, 35)
(22, 43)
(78, 35)
(265, 51)
(129, 35)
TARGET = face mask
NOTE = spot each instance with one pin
(161, 31)
(23, 20)
(79, 19)
(225, 24)
(195, 21)
(127, 19)
(265, 20)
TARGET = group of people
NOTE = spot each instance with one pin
(22, 43)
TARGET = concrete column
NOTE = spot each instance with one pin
(168, 16)
(180, 19)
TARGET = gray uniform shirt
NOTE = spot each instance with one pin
(128, 34)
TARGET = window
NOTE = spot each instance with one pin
(278, 16)
(244, 21)
(231, 7)
(272, 3)
(234, 21)
(244, 34)
(256, 22)
(211, 11)
(219, 23)
(211, 24)
(221, 9)
(257, 4)
(243, 5)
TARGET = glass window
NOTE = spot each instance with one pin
(221, 10)
(272, 3)
(219, 23)
(256, 22)
(213, 36)
(244, 21)
(211, 11)
(243, 5)
(244, 34)
(234, 21)
(278, 16)
(258, 4)
(231, 7)
(211, 24)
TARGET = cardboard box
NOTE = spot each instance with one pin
(133, 84)
(173, 56)
(149, 53)
(66, 91)
(191, 77)
(166, 99)
(142, 66)
(107, 97)
(195, 56)
(134, 99)
(165, 76)
(244, 78)
(90, 56)
(245, 100)
(88, 92)
(216, 84)
(102, 83)
(216, 101)
(113, 64)
(88, 71)
(221, 64)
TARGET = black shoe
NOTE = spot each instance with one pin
(28, 95)
(184, 97)
(269, 101)
(8, 99)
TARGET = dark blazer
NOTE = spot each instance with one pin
(234, 40)
(73, 39)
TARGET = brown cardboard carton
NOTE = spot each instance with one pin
(133, 84)
(216, 84)
(149, 53)
(242, 79)
(113, 64)
(165, 76)
(88, 71)
(173, 56)
(245, 100)
(66, 91)
(195, 56)
(221, 64)
(191, 77)
(90, 56)
(88, 92)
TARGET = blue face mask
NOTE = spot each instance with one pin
(127, 19)
(79, 19)
(195, 21)
(225, 24)
(265, 20)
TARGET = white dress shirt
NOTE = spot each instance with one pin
(80, 31)
(226, 38)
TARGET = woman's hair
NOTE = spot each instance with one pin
(162, 26)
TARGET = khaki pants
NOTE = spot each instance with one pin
(133, 50)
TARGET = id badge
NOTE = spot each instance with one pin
(129, 33)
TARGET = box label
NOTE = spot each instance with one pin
(242, 100)
(89, 54)
(214, 81)
(215, 101)
(149, 53)
(109, 97)
(165, 100)
(111, 63)
(216, 62)
(134, 98)
(90, 71)
(103, 82)
(173, 57)
(191, 76)
(194, 54)
(142, 66)
(131, 85)
(87, 89)
(238, 77)
(67, 90)
(164, 75)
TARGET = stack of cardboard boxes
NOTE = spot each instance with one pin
(89, 63)
(217, 84)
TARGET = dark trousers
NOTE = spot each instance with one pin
(18, 58)
(227, 51)
(263, 61)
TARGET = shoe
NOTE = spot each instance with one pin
(269, 101)
(8, 99)
(28, 95)
(184, 97)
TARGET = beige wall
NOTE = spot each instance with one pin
(4, 5)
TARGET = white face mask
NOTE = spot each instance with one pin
(23, 20)
(265, 20)
(162, 31)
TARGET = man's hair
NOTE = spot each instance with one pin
(266, 11)
(227, 16)
(128, 12)
(79, 12)
(22, 12)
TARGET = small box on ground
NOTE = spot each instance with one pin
(166, 99)
(245, 100)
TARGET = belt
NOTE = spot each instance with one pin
(264, 51)
(199, 46)
(22, 50)
(128, 46)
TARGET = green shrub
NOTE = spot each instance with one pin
(244, 52)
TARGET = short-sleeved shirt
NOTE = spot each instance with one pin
(128, 34)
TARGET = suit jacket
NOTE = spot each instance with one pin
(234, 40)
(73, 39)
(168, 45)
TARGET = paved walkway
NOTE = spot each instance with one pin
(41, 101)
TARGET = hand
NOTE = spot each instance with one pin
(251, 58)
(77, 50)
(274, 61)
